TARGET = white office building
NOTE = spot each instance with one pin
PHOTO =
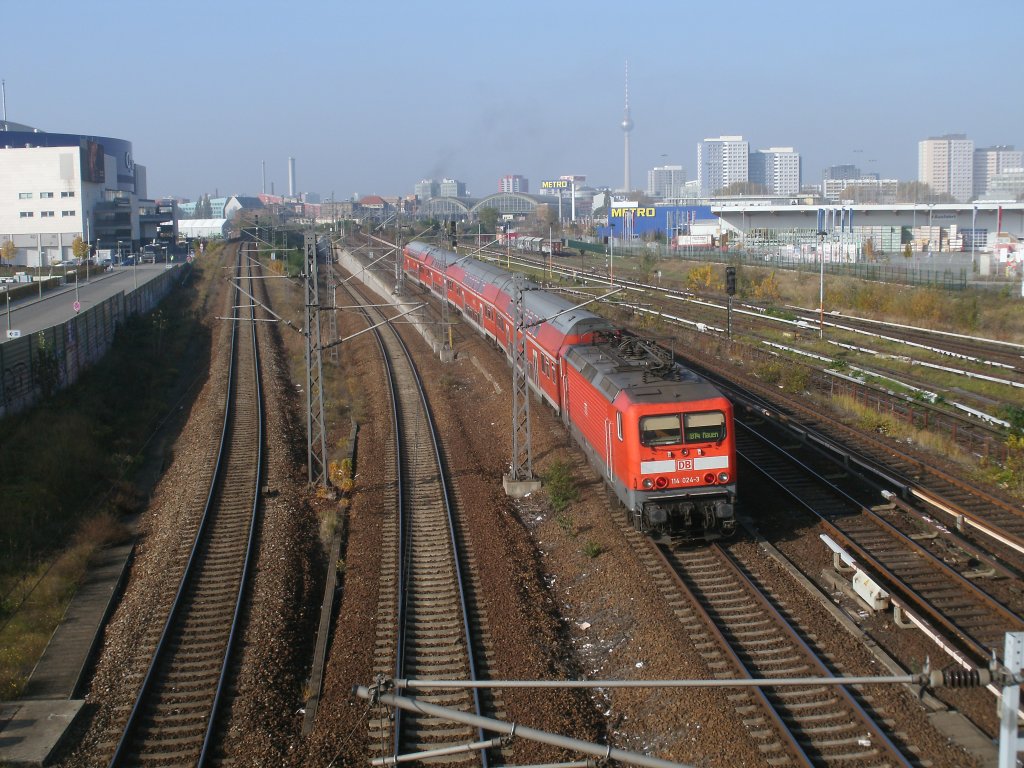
(1006, 185)
(946, 165)
(989, 161)
(452, 188)
(777, 169)
(55, 187)
(666, 181)
(878, 191)
(720, 162)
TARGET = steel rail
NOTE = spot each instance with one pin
(405, 502)
(967, 642)
(189, 574)
(810, 657)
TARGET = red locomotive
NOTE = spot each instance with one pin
(659, 434)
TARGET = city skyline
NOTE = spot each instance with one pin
(209, 94)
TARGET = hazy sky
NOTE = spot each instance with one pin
(370, 97)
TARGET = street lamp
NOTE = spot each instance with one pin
(974, 230)
(611, 254)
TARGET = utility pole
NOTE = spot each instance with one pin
(332, 317)
(316, 439)
(399, 256)
(520, 480)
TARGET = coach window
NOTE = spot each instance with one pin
(705, 427)
(618, 424)
(661, 430)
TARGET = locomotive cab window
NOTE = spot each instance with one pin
(706, 427)
(661, 430)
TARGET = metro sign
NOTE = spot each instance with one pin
(648, 213)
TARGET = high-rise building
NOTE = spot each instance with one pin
(452, 188)
(841, 172)
(666, 181)
(1008, 184)
(426, 189)
(946, 165)
(514, 183)
(720, 162)
(777, 169)
(988, 161)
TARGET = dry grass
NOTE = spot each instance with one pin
(870, 420)
(35, 603)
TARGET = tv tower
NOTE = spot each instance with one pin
(627, 126)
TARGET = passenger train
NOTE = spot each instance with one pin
(660, 435)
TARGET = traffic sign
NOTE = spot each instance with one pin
(13, 333)
(77, 305)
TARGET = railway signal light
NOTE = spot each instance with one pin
(730, 280)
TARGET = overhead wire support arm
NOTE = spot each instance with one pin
(375, 325)
(267, 309)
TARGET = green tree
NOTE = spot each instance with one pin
(648, 263)
(8, 250)
(489, 220)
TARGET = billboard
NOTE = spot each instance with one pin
(92, 162)
(556, 184)
(630, 219)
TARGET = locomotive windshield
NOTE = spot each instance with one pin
(706, 427)
(661, 430)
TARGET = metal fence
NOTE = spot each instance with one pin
(945, 271)
(37, 365)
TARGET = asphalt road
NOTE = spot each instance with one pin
(30, 315)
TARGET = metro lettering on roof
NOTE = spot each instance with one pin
(618, 213)
(555, 184)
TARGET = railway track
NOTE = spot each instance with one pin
(423, 620)
(974, 435)
(174, 720)
(740, 632)
(992, 522)
(937, 590)
(1004, 358)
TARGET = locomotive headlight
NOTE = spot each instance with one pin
(723, 477)
(648, 483)
(661, 482)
